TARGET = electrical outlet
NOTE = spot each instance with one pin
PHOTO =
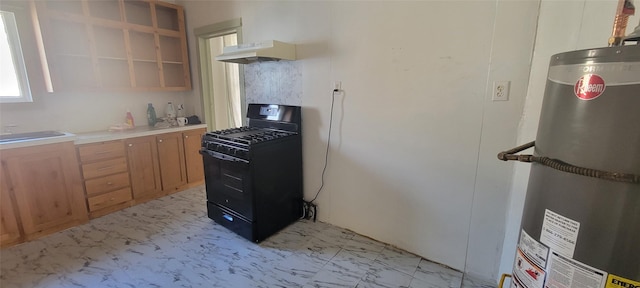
(337, 85)
(500, 91)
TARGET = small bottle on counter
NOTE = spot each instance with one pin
(129, 119)
(180, 112)
(171, 111)
(151, 115)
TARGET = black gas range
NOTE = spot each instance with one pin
(253, 174)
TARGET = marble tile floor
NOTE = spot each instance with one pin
(169, 242)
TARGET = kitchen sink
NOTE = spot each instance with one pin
(29, 136)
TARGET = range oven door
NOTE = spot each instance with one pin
(228, 182)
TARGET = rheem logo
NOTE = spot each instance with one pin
(589, 87)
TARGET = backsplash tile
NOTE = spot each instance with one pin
(273, 83)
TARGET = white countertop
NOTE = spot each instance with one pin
(98, 136)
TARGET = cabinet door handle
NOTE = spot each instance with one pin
(186, 136)
(160, 140)
(109, 183)
(130, 145)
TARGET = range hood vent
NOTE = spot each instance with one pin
(254, 52)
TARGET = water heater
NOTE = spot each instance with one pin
(581, 220)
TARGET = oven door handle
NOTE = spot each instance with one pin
(221, 156)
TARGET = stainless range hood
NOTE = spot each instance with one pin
(254, 52)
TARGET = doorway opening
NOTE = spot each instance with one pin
(222, 84)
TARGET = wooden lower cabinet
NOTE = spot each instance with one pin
(106, 177)
(109, 199)
(41, 187)
(171, 159)
(193, 159)
(9, 227)
(165, 163)
(46, 184)
(144, 170)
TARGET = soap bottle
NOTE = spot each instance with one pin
(151, 115)
(171, 111)
(129, 119)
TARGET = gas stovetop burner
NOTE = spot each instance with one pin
(248, 135)
(235, 130)
(237, 142)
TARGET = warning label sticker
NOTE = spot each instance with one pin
(527, 274)
(533, 250)
(568, 273)
(559, 233)
(618, 282)
(515, 283)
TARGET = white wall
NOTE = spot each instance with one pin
(415, 135)
(563, 26)
(84, 112)
(511, 54)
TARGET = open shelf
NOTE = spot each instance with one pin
(173, 75)
(138, 12)
(66, 6)
(109, 42)
(167, 17)
(114, 72)
(136, 45)
(69, 37)
(105, 10)
(147, 74)
(171, 48)
(143, 46)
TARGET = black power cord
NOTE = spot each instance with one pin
(309, 209)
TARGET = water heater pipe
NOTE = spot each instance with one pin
(565, 167)
(625, 9)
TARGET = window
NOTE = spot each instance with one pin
(14, 85)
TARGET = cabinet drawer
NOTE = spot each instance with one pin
(106, 150)
(107, 183)
(103, 168)
(109, 199)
